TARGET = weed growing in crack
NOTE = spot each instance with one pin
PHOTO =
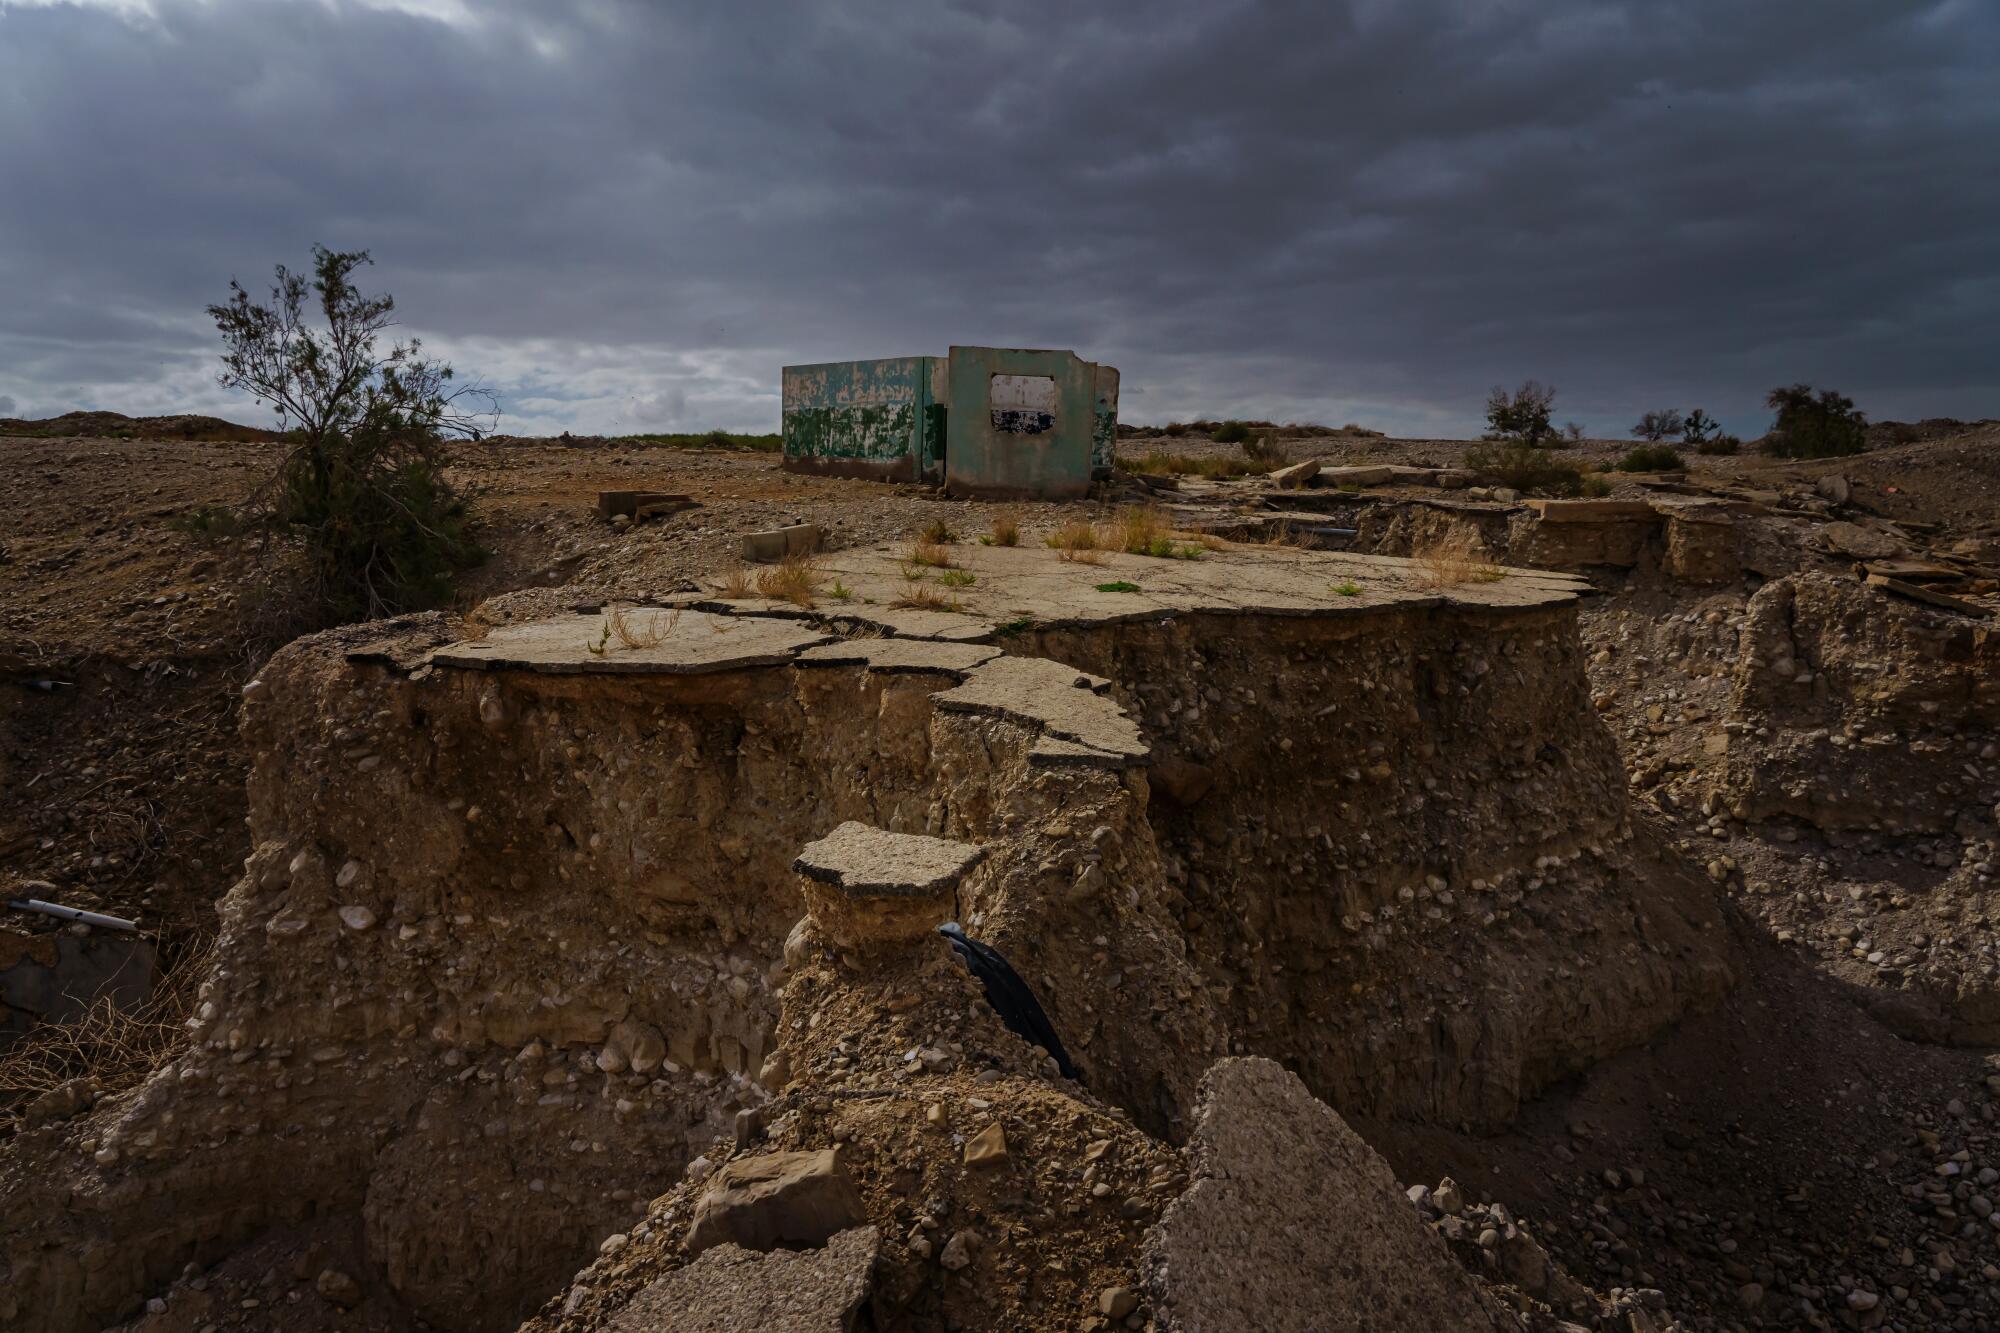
(796, 579)
(957, 578)
(1118, 585)
(1348, 588)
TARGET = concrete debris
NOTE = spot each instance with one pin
(785, 1198)
(734, 1290)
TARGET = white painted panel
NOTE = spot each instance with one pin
(1035, 393)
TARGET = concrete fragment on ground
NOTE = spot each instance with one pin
(1292, 1222)
(640, 505)
(783, 1198)
(1917, 593)
(1354, 475)
(868, 888)
(733, 1290)
(766, 548)
(1298, 474)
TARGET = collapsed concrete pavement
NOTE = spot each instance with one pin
(521, 938)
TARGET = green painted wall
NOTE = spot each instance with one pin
(1104, 430)
(908, 418)
(865, 418)
(1017, 450)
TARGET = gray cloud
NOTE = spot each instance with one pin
(629, 218)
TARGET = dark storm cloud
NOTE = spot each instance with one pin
(625, 216)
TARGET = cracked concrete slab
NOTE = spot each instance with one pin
(863, 861)
(1062, 701)
(900, 655)
(689, 642)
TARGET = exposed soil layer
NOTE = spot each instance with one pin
(1660, 922)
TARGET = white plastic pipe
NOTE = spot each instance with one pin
(71, 914)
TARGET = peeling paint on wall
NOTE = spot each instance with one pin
(981, 420)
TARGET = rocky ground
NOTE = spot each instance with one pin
(1823, 1150)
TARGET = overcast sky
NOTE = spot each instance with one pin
(628, 216)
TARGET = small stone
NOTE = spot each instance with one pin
(1447, 1199)
(356, 916)
(1750, 1295)
(1117, 1302)
(338, 1287)
(957, 1251)
(988, 1147)
(1862, 1300)
(613, 1243)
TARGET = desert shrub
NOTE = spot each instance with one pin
(1006, 530)
(1660, 425)
(208, 522)
(1231, 432)
(1525, 468)
(1651, 458)
(364, 485)
(927, 554)
(1573, 432)
(938, 532)
(1699, 429)
(1719, 444)
(1076, 541)
(1595, 486)
(1809, 426)
(1522, 415)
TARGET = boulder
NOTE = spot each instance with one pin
(1291, 1222)
(785, 1198)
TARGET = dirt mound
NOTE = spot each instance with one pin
(118, 426)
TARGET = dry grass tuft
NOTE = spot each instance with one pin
(919, 595)
(1006, 528)
(938, 533)
(927, 554)
(738, 585)
(1139, 530)
(1210, 542)
(1445, 562)
(646, 629)
(1077, 541)
(796, 579)
(114, 1048)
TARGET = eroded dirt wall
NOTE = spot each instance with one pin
(1401, 854)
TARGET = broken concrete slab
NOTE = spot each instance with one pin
(767, 548)
(1917, 593)
(1298, 474)
(694, 643)
(1593, 511)
(1061, 701)
(730, 1289)
(862, 861)
(900, 655)
(780, 1198)
(1354, 475)
(1292, 1222)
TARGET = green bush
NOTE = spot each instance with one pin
(1651, 458)
(1522, 415)
(1525, 468)
(363, 487)
(1809, 426)
(1231, 432)
(1719, 444)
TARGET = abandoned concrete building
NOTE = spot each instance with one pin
(981, 421)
